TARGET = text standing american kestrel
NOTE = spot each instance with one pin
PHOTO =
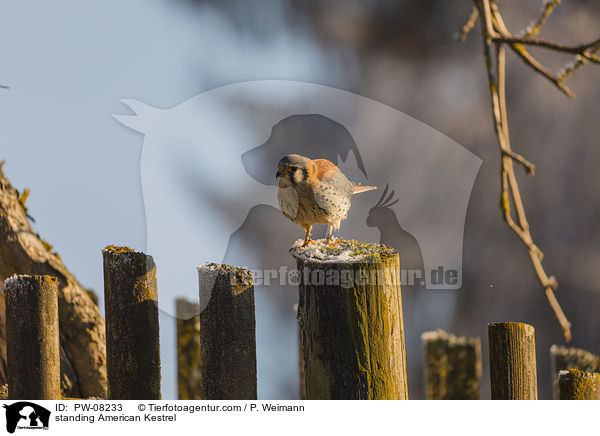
(314, 192)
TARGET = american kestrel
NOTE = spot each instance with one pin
(314, 192)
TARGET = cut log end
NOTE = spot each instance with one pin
(440, 335)
(213, 275)
(341, 251)
(122, 253)
(25, 282)
(116, 249)
(238, 274)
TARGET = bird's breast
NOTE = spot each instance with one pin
(288, 202)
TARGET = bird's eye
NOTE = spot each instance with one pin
(293, 169)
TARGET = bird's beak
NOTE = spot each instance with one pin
(279, 174)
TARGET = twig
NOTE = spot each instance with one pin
(551, 45)
(537, 26)
(468, 26)
(571, 68)
(522, 52)
(529, 167)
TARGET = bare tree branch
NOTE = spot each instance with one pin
(495, 36)
(536, 27)
(522, 52)
(582, 49)
(571, 68)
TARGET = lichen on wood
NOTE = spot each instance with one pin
(350, 318)
(452, 366)
(513, 372)
(563, 358)
(574, 384)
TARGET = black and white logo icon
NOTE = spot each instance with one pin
(26, 415)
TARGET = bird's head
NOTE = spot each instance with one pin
(293, 169)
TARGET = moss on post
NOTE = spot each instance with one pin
(562, 358)
(227, 333)
(452, 366)
(132, 339)
(188, 350)
(350, 318)
(513, 372)
(574, 384)
(33, 354)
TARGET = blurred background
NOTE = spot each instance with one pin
(69, 63)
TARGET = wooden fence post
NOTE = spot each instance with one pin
(188, 350)
(574, 384)
(227, 333)
(513, 371)
(33, 354)
(562, 358)
(452, 366)
(301, 368)
(132, 341)
(350, 318)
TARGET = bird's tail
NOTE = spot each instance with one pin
(359, 188)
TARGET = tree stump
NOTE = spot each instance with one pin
(350, 318)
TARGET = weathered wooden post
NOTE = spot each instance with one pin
(452, 366)
(513, 372)
(131, 308)
(562, 358)
(301, 368)
(188, 350)
(32, 338)
(350, 318)
(574, 384)
(227, 333)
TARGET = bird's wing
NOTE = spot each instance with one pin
(325, 168)
(333, 195)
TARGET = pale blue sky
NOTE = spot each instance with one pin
(70, 63)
